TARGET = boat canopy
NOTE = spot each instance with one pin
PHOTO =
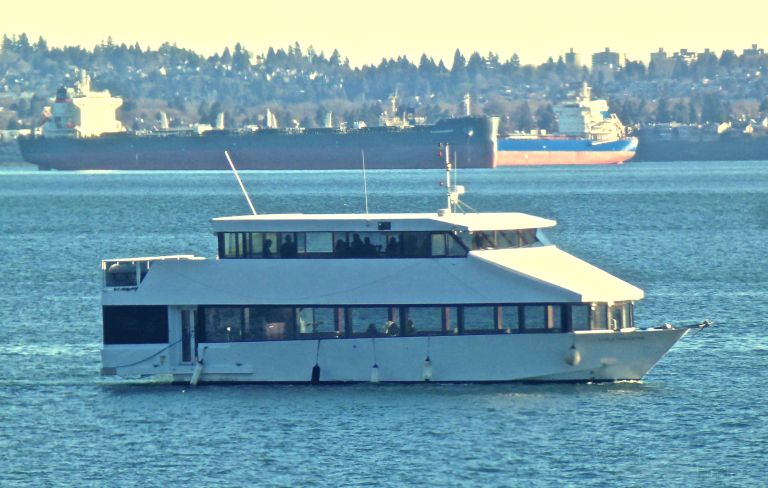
(534, 275)
(372, 222)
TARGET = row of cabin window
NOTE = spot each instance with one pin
(257, 323)
(367, 244)
(141, 324)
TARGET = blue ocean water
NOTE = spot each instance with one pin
(691, 234)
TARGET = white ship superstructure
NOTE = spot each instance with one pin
(584, 117)
(446, 296)
(82, 112)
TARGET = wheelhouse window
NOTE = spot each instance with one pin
(135, 324)
(501, 239)
(378, 244)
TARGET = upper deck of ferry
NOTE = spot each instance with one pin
(445, 221)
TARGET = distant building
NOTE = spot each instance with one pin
(753, 56)
(572, 59)
(661, 64)
(608, 60)
(685, 56)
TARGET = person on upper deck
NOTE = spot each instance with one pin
(356, 246)
(393, 247)
(288, 249)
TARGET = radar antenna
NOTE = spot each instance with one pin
(453, 191)
(242, 187)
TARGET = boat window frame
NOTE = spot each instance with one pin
(453, 320)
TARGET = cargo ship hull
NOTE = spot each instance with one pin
(472, 141)
(518, 151)
(743, 148)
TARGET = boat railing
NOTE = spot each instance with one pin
(129, 272)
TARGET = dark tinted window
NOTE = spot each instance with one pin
(135, 324)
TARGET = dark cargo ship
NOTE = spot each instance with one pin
(81, 132)
(723, 142)
(472, 139)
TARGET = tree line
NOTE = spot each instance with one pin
(301, 85)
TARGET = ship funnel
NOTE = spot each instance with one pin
(164, 121)
(220, 121)
(328, 123)
(467, 104)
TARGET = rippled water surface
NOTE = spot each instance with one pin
(693, 235)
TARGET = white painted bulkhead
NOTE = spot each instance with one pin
(626, 354)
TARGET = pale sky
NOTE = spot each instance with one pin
(365, 31)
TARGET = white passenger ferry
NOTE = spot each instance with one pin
(445, 297)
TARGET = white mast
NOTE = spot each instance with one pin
(452, 190)
(242, 187)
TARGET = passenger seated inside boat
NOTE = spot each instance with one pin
(288, 249)
(369, 250)
(391, 329)
(265, 248)
(410, 329)
(393, 247)
(372, 331)
(356, 246)
(341, 248)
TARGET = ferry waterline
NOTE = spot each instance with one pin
(450, 296)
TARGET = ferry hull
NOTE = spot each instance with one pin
(557, 151)
(526, 357)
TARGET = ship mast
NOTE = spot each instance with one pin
(452, 190)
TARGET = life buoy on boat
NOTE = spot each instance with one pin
(573, 356)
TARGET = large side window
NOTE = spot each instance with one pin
(416, 244)
(535, 317)
(598, 316)
(510, 318)
(428, 320)
(135, 324)
(319, 244)
(371, 322)
(479, 319)
(230, 245)
(555, 317)
(621, 315)
(580, 317)
(317, 322)
(223, 324)
(271, 323)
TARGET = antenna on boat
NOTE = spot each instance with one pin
(365, 181)
(242, 187)
(452, 189)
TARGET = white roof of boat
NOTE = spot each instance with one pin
(368, 222)
(542, 274)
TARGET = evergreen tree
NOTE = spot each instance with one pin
(524, 118)
(663, 115)
(713, 110)
(545, 118)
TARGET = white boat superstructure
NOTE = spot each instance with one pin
(447, 297)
